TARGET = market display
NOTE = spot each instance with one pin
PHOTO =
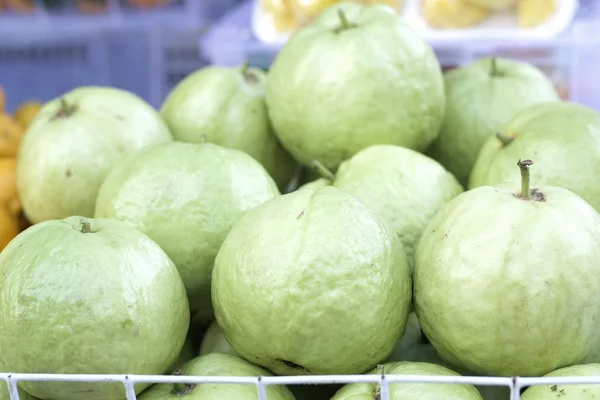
(444, 223)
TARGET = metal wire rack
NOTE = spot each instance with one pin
(515, 384)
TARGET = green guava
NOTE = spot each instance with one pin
(186, 197)
(505, 280)
(481, 98)
(564, 139)
(4, 395)
(312, 282)
(356, 76)
(216, 364)
(226, 106)
(566, 392)
(404, 187)
(74, 141)
(85, 296)
(214, 341)
(410, 391)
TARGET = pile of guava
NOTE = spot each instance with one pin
(354, 210)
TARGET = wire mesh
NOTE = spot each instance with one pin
(515, 384)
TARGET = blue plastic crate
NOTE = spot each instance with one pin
(48, 52)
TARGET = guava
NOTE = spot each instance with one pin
(495, 5)
(186, 197)
(71, 145)
(563, 137)
(404, 187)
(410, 390)
(214, 341)
(84, 296)
(481, 98)
(505, 280)
(312, 282)
(331, 92)
(216, 364)
(4, 395)
(566, 392)
(226, 106)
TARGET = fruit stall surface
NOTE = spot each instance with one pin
(299, 200)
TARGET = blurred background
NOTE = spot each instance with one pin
(48, 47)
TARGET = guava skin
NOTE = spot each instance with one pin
(411, 391)
(4, 395)
(63, 159)
(217, 364)
(333, 92)
(532, 268)
(227, 105)
(563, 139)
(480, 99)
(186, 197)
(112, 294)
(312, 264)
(566, 392)
(404, 187)
(215, 342)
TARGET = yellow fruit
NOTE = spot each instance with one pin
(9, 227)
(10, 136)
(531, 13)
(451, 14)
(281, 14)
(27, 112)
(308, 9)
(493, 5)
(8, 186)
(396, 4)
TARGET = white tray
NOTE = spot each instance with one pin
(500, 26)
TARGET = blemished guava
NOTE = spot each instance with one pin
(71, 145)
(331, 92)
(405, 188)
(481, 98)
(214, 341)
(312, 282)
(505, 280)
(84, 296)
(186, 197)
(566, 392)
(410, 390)
(564, 140)
(226, 106)
(216, 364)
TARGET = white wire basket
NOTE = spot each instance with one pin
(515, 384)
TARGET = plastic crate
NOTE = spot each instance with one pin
(47, 53)
(571, 60)
(515, 384)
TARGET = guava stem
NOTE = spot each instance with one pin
(86, 227)
(180, 389)
(505, 140)
(245, 67)
(248, 75)
(65, 109)
(322, 170)
(344, 23)
(377, 392)
(525, 182)
(494, 68)
(204, 138)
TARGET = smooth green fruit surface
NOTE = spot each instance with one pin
(340, 85)
(313, 264)
(226, 106)
(186, 197)
(481, 98)
(566, 392)
(563, 139)
(86, 296)
(411, 391)
(490, 255)
(217, 364)
(214, 341)
(69, 148)
(404, 188)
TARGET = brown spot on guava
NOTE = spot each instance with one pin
(300, 215)
(68, 173)
(293, 365)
